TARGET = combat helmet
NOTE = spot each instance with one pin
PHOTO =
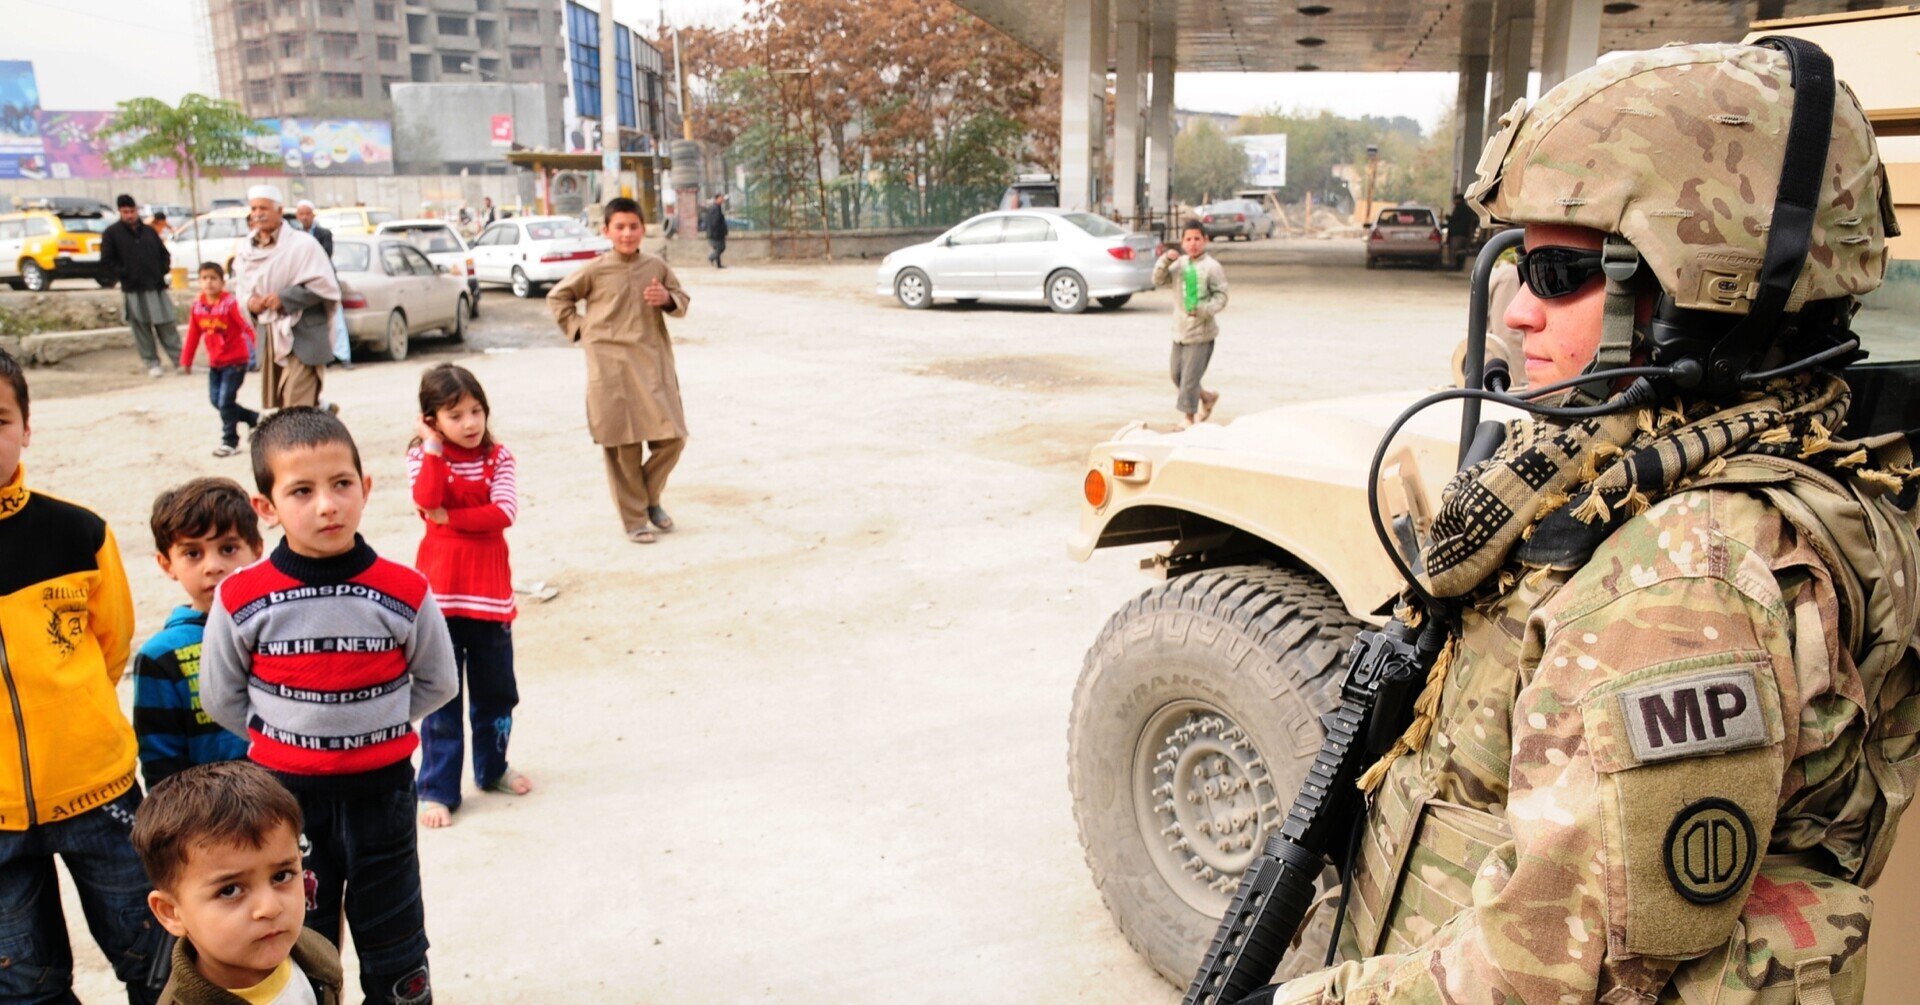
(1703, 163)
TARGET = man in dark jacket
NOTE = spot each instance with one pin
(141, 262)
(1462, 225)
(303, 212)
(715, 225)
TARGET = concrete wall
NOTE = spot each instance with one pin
(437, 126)
(761, 246)
(404, 194)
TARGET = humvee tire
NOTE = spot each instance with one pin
(1196, 716)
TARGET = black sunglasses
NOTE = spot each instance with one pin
(1552, 272)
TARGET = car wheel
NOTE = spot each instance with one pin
(1195, 718)
(522, 286)
(1115, 303)
(1066, 292)
(912, 288)
(396, 347)
(473, 305)
(458, 333)
(1372, 263)
(106, 282)
(33, 276)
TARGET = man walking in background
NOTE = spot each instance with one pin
(141, 262)
(284, 278)
(716, 227)
(303, 215)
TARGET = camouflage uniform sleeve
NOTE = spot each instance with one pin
(1646, 768)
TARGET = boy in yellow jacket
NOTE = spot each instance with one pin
(66, 750)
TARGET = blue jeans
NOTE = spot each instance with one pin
(484, 652)
(36, 960)
(223, 387)
(362, 857)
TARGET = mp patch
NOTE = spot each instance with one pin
(1703, 714)
(1710, 850)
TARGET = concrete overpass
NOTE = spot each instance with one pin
(1491, 44)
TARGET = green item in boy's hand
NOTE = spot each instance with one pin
(1192, 277)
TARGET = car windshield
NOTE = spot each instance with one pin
(431, 239)
(548, 230)
(1406, 218)
(352, 257)
(85, 224)
(1098, 226)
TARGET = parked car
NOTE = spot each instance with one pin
(353, 219)
(392, 292)
(1405, 234)
(216, 237)
(42, 245)
(1042, 255)
(529, 252)
(441, 242)
(1241, 218)
(1030, 191)
(177, 213)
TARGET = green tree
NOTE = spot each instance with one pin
(1206, 165)
(201, 136)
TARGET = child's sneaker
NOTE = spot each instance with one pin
(225, 451)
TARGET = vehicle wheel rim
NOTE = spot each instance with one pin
(521, 287)
(36, 278)
(396, 338)
(912, 289)
(1204, 801)
(1066, 292)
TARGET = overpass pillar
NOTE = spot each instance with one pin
(1469, 119)
(1512, 56)
(1083, 99)
(1160, 121)
(1572, 41)
(1129, 120)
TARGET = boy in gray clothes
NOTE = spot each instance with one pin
(1202, 285)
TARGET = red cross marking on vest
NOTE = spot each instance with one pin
(1784, 901)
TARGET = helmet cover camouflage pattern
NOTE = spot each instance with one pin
(1679, 151)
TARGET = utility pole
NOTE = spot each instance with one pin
(609, 105)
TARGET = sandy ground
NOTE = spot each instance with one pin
(811, 746)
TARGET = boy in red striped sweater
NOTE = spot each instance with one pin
(217, 318)
(323, 657)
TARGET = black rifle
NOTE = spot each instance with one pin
(1385, 671)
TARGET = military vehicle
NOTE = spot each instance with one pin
(1197, 709)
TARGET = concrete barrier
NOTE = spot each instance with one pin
(52, 347)
(800, 246)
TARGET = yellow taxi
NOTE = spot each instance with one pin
(39, 246)
(346, 220)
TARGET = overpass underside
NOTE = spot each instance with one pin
(1492, 44)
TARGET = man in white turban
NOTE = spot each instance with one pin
(286, 281)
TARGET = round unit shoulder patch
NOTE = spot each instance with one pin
(1710, 850)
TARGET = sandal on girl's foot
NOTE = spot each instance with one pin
(660, 518)
(511, 783)
(641, 536)
(435, 815)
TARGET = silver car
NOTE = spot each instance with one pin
(1241, 218)
(1037, 255)
(391, 292)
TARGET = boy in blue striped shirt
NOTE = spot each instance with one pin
(202, 531)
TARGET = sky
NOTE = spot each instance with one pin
(89, 54)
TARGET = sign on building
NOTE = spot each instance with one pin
(1266, 159)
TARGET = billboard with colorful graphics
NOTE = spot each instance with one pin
(74, 148)
(21, 155)
(328, 147)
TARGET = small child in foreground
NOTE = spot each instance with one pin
(202, 531)
(463, 486)
(221, 846)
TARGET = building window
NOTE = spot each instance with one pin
(623, 74)
(286, 7)
(386, 84)
(451, 24)
(453, 62)
(524, 59)
(336, 8)
(389, 49)
(487, 33)
(583, 43)
(422, 68)
(339, 45)
(248, 13)
(259, 95)
(293, 46)
(257, 52)
(383, 12)
(523, 21)
(343, 85)
(417, 29)
(296, 86)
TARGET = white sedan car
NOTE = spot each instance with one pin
(1037, 255)
(529, 252)
(441, 243)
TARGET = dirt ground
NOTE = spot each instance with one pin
(811, 746)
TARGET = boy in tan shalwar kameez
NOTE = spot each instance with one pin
(615, 306)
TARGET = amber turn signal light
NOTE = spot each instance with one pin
(1096, 489)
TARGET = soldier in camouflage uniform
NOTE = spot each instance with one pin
(1666, 748)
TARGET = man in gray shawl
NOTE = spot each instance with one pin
(140, 261)
(285, 280)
